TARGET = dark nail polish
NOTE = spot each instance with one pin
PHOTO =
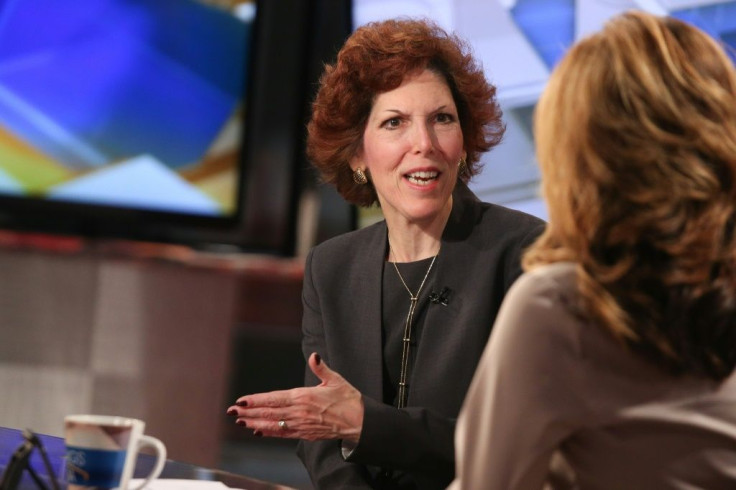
(317, 359)
(258, 433)
(241, 423)
(242, 403)
(232, 411)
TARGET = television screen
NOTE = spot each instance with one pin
(519, 42)
(127, 117)
(131, 103)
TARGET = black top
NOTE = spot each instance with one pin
(394, 311)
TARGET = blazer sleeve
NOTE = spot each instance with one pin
(323, 459)
(412, 439)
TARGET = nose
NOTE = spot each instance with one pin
(423, 138)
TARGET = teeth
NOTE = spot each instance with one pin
(421, 177)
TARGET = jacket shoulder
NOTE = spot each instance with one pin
(349, 245)
(512, 220)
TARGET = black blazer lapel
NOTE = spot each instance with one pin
(365, 369)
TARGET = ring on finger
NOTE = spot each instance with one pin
(282, 424)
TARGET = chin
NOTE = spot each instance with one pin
(426, 213)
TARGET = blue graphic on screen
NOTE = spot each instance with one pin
(125, 67)
(717, 20)
(549, 25)
(91, 83)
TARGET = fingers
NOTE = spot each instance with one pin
(270, 427)
(274, 399)
(268, 413)
(262, 412)
(262, 423)
(306, 431)
(320, 369)
(331, 410)
(285, 398)
(287, 426)
(314, 360)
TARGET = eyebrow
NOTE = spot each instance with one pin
(443, 107)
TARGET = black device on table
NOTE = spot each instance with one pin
(20, 462)
(24, 454)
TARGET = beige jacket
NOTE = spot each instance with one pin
(550, 384)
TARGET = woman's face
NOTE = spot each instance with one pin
(411, 148)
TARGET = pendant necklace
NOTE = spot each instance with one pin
(406, 340)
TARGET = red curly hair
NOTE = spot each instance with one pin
(377, 58)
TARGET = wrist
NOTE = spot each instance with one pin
(355, 427)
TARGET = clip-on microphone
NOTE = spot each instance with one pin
(441, 298)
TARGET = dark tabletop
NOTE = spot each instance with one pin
(11, 439)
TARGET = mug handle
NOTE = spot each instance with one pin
(160, 449)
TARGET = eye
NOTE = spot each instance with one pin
(392, 123)
(444, 118)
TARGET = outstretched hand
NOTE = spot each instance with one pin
(331, 410)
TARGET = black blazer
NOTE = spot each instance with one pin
(479, 259)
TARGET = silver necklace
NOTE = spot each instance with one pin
(406, 340)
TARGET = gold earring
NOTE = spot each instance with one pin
(462, 166)
(359, 176)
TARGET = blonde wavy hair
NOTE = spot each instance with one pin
(636, 139)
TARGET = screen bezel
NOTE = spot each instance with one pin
(265, 217)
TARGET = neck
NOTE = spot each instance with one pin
(419, 248)
(409, 242)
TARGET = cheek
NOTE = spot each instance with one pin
(381, 155)
(370, 151)
(451, 142)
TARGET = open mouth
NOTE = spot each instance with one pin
(422, 178)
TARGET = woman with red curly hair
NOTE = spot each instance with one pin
(400, 309)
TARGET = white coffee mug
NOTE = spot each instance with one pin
(101, 451)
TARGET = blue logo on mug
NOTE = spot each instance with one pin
(94, 467)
